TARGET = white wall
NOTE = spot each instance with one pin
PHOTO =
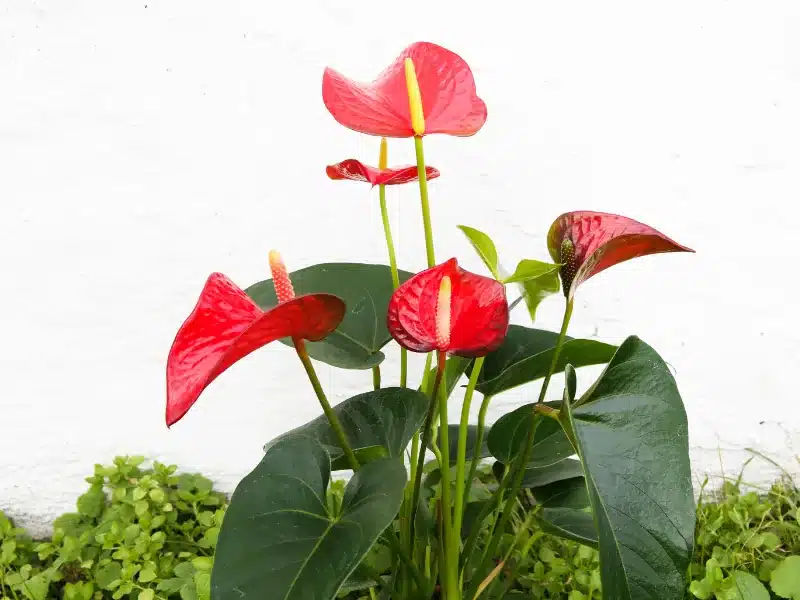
(145, 144)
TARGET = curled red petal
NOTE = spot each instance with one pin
(355, 170)
(226, 325)
(602, 240)
(478, 312)
(449, 99)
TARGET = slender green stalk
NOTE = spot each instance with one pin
(461, 460)
(557, 353)
(519, 467)
(450, 538)
(376, 377)
(401, 553)
(489, 507)
(423, 196)
(326, 406)
(387, 232)
(478, 442)
(425, 442)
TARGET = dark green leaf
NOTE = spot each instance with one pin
(566, 469)
(567, 493)
(365, 290)
(631, 434)
(526, 355)
(472, 437)
(571, 524)
(382, 419)
(484, 246)
(507, 437)
(278, 540)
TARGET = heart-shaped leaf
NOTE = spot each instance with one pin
(570, 524)
(506, 439)
(365, 289)
(279, 542)
(526, 354)
(631, 434)
(484, 246)
(472, 438)
(377, 424)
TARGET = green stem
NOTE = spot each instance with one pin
(376, 377)
(451, 542)
(489, 507)
(300, 346)
(425, 442)
(461, 458)
(423, 196)
(519, 467)
(478, 441)
(398, 549)
(387, 233)
(559, 344)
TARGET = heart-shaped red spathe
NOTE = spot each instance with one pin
(478, 312)
(602, 240)
(449, 99)
(354, 170)
(226, 325)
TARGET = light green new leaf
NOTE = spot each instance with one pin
(631, 435)
(365, 290)
(785, 579)
(744, 586)
(484, 246)
(533, 269)
(278, 540)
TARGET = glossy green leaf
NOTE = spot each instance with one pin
(506, 439)
(484, 246)
(472, 438)
(278, 540)
(526, 354)
(785, 579)
(534, 291)
(377, 424)
(365, 290)
(570, 524)
(533, 269)
(630, 431)
(566, 493)
(569, 468)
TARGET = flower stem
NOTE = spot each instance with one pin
(451, 541)
(557, 352)
(376, 377)
(423, 195)
(427, 432)
(461, 459)
(518, 472)
(300, 346)
(387, 232)
(478, 442)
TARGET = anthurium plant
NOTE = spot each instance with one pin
(608, 468)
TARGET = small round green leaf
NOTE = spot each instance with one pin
(785, 579)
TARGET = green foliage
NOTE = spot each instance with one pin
(747, 544)
(747, 532)
(137, 533)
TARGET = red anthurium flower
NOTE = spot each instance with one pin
(587, 242)
(446, 87)
(449, 310)
(226, 325)
(355, 170)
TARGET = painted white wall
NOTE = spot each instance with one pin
(144, 144)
